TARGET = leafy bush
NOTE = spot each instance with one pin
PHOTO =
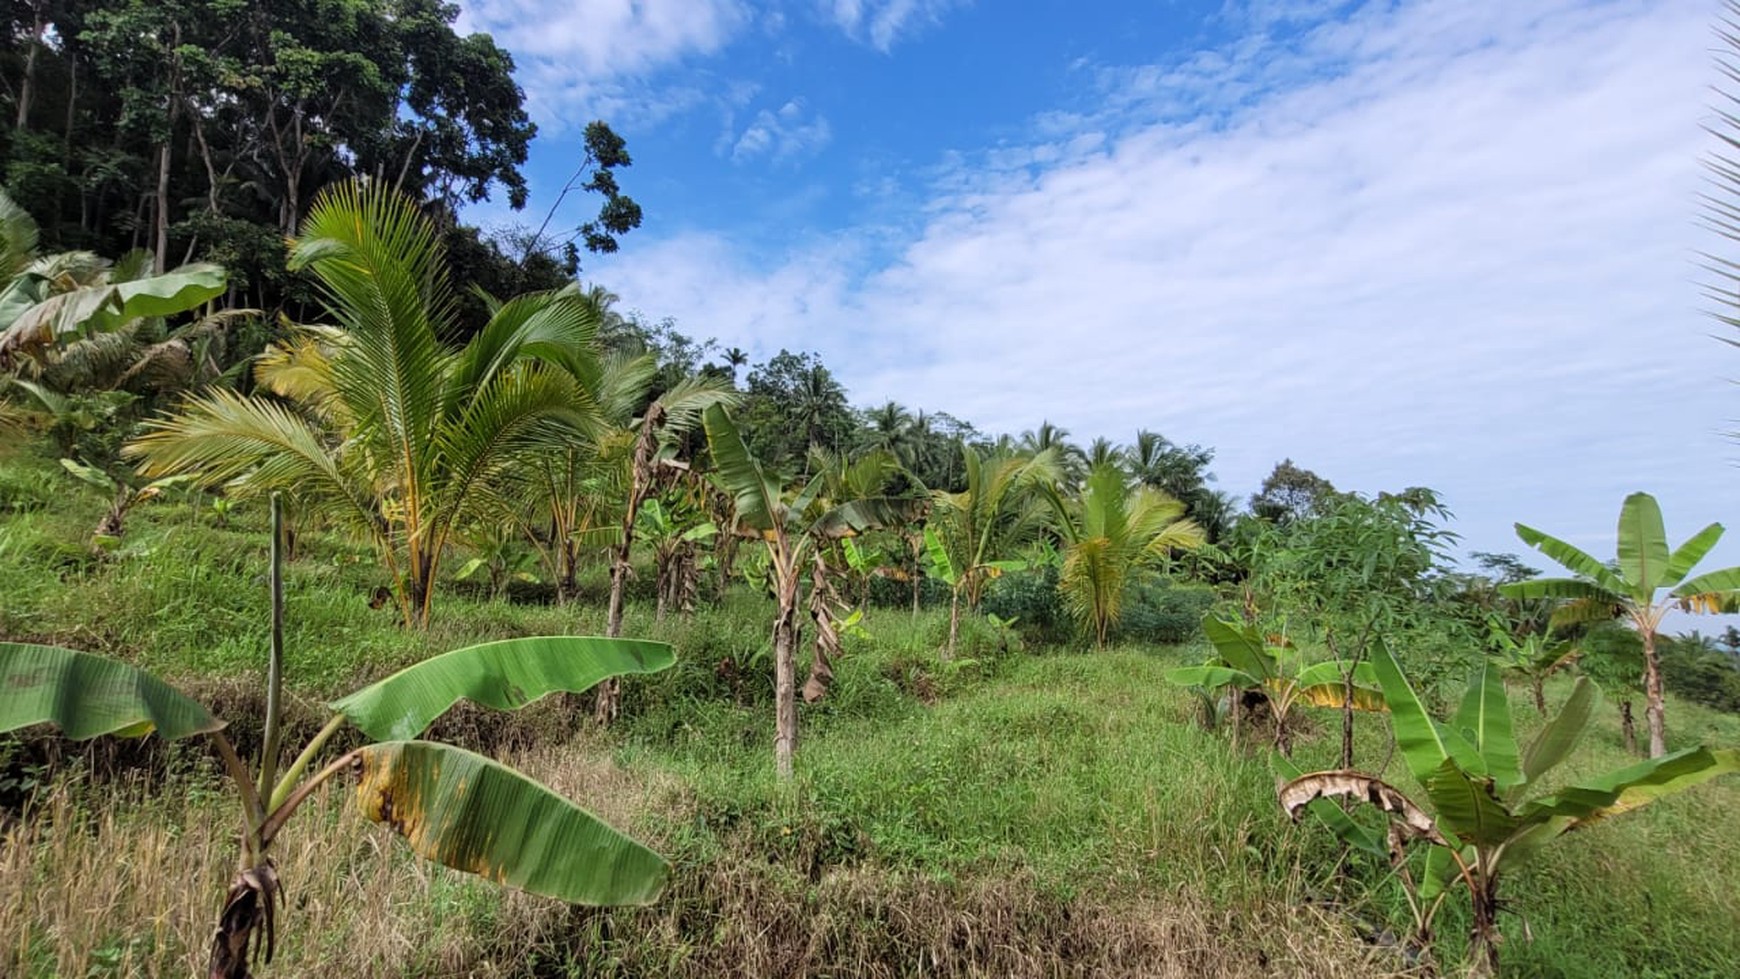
(1164, 613)
(1031, 599)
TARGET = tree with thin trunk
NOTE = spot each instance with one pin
(1629, 590)
(794, 529)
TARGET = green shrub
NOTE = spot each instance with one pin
(1164, 613)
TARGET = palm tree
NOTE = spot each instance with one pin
(889, 427)
(978, 528)
(1070, 457)
(1109, 535)
(794, 529)
(378, 423)
(1645, 566)
(735, 357)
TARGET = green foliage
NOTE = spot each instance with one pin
(1485, 818)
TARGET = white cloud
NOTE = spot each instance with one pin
(880, 23)
(782, 135)
(580, 59)
(1444, 242)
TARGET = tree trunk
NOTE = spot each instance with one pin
(1654, 709)
(1627, 726)
(1540, 696)
(954, 624)
(1347, 721)
(161, 248)
(27, 86)
(785, 641)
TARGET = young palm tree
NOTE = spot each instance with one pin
(378, 422)
(1646, 565)
(978, 529)
(1110, 535)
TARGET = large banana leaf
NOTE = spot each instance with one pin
(100, 308)
(467, 812)
(1643, 546)
(86, 695)
(1241, 646)
(1555, 741)
(1424, 743)
(755, 496)
(1484, 719)
(1211, 676)
(1468, 807)
(1687, 555)
(507, 675)
(1632, 787)
(1570, 556)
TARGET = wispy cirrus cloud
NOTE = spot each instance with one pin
(881, 23)
(1440, 242)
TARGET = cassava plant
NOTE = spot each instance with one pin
(452, 806)
(1479, 821)
(1245, 661)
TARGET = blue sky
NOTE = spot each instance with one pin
(1450, 243)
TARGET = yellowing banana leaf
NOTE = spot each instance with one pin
(506, 675)
(1632, 787)
(467, 812)
(86, 695)
(1334, 695)
(100, 308)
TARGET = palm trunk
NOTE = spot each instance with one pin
(1654, 710)
(1627, 726)
(1540, 696)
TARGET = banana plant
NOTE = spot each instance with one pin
(1244, 660)
(794, 530)
(452, 806)
(1646, 565)
(1532, 658)
(944, 568)
(1482, 819)
(123, 496)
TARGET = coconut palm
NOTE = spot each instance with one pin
(1645, 566)
(974, 533)
(1110, 535)
(377, 422)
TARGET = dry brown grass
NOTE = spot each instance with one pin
(124, 879)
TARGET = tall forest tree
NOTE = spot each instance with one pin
(203, 129)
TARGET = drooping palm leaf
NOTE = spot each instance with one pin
(506, 675)
(467, 812)
(86, 695)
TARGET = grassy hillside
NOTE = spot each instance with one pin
(1023, 812)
